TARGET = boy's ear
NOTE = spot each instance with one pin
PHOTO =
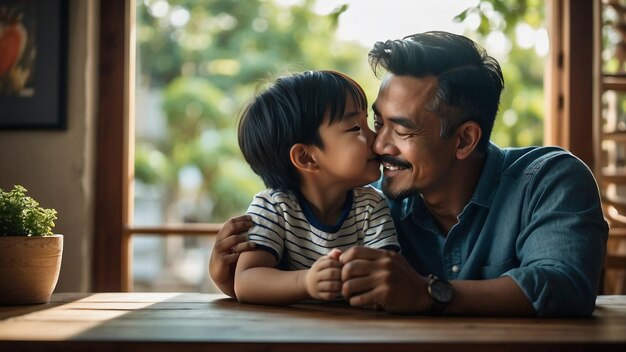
(468, 136)
(302, 158)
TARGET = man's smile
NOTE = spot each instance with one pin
(391, 164)
(392, 167)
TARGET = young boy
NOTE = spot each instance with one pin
(308, 139)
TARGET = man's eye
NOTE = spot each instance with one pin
(377, 125)
(399, 134)
(408, 134)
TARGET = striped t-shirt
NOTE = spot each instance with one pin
(285, 225)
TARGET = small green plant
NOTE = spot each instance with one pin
(21, 215)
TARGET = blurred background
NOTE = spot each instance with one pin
(200, 61)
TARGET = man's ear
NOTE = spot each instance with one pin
(302, 158)
(468, 136)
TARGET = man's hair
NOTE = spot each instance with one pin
(291, 111)
(469, 80)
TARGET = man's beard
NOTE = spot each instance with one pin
(398, 194)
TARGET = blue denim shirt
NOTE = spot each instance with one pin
(535, 216)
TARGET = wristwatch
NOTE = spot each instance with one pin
(440, 292)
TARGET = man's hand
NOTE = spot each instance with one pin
(380, 279)
(323, 279)
(230, 242)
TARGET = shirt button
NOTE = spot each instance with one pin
(456, 268)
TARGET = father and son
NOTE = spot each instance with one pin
(466, 227)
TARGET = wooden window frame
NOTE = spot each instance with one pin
(569, 79)
(113, 231)
(110, 246)
(569, 111)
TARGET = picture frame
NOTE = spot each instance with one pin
(33, 64)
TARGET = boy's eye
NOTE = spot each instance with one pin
(377, 125)
(355, 129)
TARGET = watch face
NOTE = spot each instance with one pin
(441, 291)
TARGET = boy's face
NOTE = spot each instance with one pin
(347, 157)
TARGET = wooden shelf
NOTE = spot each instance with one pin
(617, 136)
(175, 229)
(617, 233)
(615, 261)
(613, 175)
(614, 82)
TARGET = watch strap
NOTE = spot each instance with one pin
(437, 306)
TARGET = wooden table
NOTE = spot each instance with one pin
(205, 322)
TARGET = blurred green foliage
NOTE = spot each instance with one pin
(520, 120)
(206, 58)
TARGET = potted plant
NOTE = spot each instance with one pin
(30, 254)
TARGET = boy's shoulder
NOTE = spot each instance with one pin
(368, 191)
(276, 197)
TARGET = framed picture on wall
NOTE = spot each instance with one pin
(33, 60)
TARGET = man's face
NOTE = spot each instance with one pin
(414, 157)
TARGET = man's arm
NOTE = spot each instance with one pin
(257, 281)
(230, 242)
(562, 239)
(385, 279)
(501, 296)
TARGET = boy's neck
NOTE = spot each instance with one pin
(326, 204)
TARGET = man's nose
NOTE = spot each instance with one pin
(381, 143)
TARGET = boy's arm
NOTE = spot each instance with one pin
(257, 281)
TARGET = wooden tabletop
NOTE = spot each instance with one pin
(206, 322)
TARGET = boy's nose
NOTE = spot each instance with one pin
(369, 135)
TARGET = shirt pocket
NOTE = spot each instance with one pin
(494, 271)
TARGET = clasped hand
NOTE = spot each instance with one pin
(365, 277)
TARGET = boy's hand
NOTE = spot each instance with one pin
(230, 242)
(323, 280)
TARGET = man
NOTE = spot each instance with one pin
(483, 230)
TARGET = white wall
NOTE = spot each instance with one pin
(57, 166)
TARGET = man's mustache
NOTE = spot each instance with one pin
(394, 161)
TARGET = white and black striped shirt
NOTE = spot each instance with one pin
(285, 226)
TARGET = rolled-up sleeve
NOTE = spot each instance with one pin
(563, 239)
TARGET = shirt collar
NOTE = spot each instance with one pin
(489, 177)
